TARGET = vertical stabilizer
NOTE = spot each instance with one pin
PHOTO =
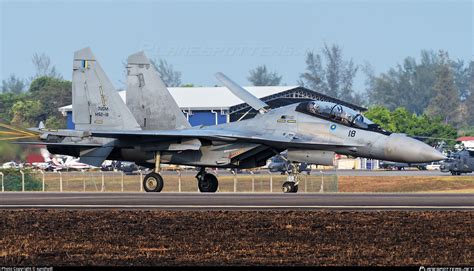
(148, 98)
(96, 104)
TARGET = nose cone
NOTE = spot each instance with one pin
(400, 148)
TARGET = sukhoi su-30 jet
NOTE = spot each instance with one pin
(157, 131)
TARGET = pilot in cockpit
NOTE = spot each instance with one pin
(346, 117)
(313, 108)
(338, 113)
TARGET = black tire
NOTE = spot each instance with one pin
(208, 183)
(289, 187)
(153, 182)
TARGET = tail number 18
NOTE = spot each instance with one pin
(352, 133)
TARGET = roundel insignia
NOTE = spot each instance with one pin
(333, 127)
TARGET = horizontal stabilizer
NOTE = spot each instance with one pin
(243, 94)
(95, 156)
(91, 145)
(9, 132)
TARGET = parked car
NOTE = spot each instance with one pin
(433, 166)
(401, 166)
(11, 164)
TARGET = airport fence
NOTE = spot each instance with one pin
(177, 181)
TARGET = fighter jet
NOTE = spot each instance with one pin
(459, 162)
(311, 132)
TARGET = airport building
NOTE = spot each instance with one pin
(216, 105)
(467, 141)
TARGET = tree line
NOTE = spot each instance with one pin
(26, 102)
(428, 129)
(435, 85)
(428, 97)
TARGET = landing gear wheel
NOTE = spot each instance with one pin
(153, 182)
(289, 187)
(208, 183)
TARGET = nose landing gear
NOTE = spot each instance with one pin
(207, 182)
(291, 185)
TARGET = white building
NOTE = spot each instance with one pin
(467, 141)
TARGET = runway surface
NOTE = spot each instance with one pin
(238, 201)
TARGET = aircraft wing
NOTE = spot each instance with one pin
(286, 141)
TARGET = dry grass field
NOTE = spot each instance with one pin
(108, 237)
(454, 184)
(92, 182)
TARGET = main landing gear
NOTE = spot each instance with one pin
(153, 182)
(291, 185)
(207, 182)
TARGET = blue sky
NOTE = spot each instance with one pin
(202, 37)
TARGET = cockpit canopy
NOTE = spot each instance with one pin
(338, 113)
